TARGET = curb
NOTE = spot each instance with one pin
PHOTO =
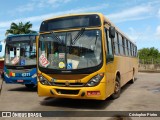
(149, 71)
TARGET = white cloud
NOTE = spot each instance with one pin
(158, 32)
(39, 18)
(147, 36)
(1, 30)
(159, 13)
(37, 4)
(25, 8)
(135, 13)
(134, 35)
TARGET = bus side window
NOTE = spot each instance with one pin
(109, 46)
(116, 46)
(120, 44)
(125, 45)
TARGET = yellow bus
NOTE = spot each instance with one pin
(84, 56)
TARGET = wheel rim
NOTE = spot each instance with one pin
(133, 78)
(117, 87)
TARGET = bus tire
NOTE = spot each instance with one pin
(30, 86)
(117, 89)
(133, 78)
(2, 75)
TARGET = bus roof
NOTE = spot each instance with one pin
(101, 15)
(68, 15)
(17, 35)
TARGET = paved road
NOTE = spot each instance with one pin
(143, 95)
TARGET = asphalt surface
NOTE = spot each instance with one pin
(143, 95)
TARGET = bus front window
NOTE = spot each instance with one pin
(20, 54)
(70, 50)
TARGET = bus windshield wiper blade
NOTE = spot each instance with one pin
(56, 37)
(79, 34)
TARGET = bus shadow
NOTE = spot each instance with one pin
(126, 86)
(23, 89)
(76, 103)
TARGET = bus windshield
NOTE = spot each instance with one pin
(70, 50)
(20, 53)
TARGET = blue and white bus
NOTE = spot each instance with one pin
(20, 60)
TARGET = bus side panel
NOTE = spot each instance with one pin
(126, 65)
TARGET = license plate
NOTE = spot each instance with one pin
(20, 81)
(92, 93)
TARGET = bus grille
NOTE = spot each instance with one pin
(71, 92)
(69, 85)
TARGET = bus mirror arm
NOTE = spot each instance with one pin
(112, 32)
(109, 58)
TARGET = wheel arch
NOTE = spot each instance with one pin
(117, 73)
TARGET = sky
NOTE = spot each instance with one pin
(138, 19)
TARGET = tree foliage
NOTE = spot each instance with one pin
(148, 53)
(20, 28)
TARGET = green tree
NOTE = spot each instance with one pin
(159, 55)
(20, 28)
(143, 53)
(154, 53)
(147, 53)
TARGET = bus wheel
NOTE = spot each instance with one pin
(2, 75)
(117, 89)
(133, 79)
(30, 85)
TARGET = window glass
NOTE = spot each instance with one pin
(109, 44)
(70, 22)
(64, 51)
(116, 44)
(20, 53)
(129, 51)
(120, 44)
(123, 44)
(126, 49)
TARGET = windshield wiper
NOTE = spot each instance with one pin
(56, 37)
(97, 35)
(79, 34)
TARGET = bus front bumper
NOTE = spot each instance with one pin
(20, 80)
(97, 92)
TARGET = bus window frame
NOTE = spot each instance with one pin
(110, 56)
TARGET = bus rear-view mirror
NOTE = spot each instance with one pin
(111, 32)
(109, 58)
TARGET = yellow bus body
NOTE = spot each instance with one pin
(124, 66)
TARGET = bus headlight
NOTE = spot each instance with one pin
(95, 80)
(43, 80)
(35, 75)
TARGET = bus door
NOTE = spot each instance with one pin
(109, 63)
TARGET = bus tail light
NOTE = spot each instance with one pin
(43, 80)
(95, 80)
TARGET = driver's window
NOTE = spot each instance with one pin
(109, 46)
